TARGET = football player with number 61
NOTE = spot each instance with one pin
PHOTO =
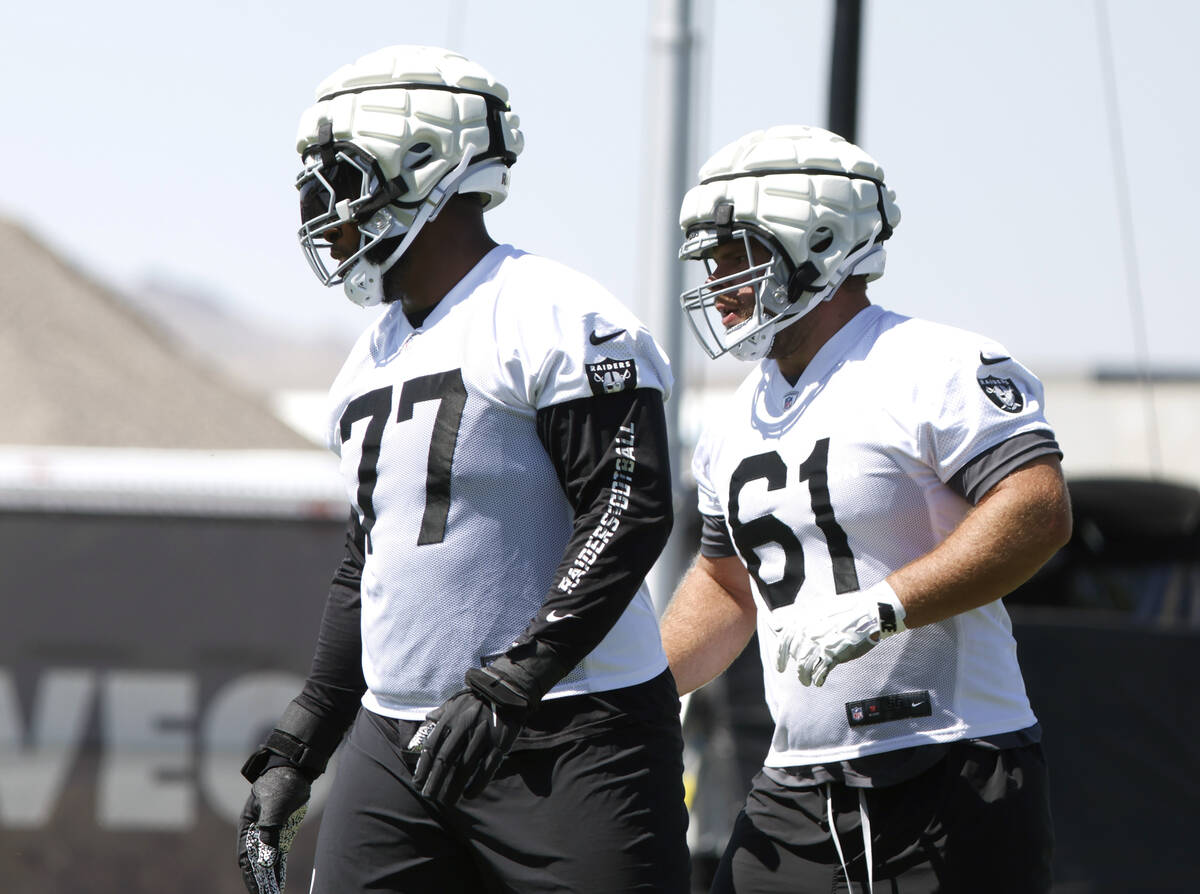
(874, 488)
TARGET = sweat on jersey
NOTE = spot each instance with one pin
(474, 532)
(869, 461)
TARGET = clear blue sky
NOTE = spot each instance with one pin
(149, 138)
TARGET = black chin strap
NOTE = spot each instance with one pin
(801, 281)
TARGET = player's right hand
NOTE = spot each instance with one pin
(277, 803)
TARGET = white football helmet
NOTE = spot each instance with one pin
(390, 138)
(814, 201)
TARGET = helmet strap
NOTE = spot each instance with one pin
(429, 210)
(868, 255)
(802, 279)
(364, 282)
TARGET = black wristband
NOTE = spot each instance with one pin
(491, 686)
(530, 667)
(256, 765)
(302, 739)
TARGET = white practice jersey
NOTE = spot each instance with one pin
(829, 485)
(466, 519)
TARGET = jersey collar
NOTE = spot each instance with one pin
(829, 356)
(483, 270)
(394, 329)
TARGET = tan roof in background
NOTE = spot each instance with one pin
(78, 367)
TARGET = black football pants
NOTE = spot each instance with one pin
(601, 813)
(977, 822)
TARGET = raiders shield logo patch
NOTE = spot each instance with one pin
(1003, 393)
(611, 376)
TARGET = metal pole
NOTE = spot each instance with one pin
(843, 69)
(1133, 277)
(667, 125)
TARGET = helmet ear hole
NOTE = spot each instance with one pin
(820, 240)
(419, 155)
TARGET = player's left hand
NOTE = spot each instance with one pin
(830, 631)
(473, 731)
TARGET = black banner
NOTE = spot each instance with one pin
(141, 659)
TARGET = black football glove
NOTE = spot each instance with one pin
(277, 803)
(472, 732)
(281, 772)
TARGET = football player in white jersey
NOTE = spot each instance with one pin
(488, 639)
(875, 486)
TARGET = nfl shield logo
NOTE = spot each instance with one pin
(789, 399)
(856, 712)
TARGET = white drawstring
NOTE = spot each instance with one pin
(837, 842)
(866, 831)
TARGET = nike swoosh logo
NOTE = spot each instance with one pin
(555, 616)
(601, 339)
(988, 361)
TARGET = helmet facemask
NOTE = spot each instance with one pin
(751, 338)
(389, 140)
(815, 202)
(351, 190)
(339, 187)
(782, 293)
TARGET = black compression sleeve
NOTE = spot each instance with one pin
(335, 682)
(984, 471)
(715, 541)
(612, 458)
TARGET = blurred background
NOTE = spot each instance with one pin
(169, 518)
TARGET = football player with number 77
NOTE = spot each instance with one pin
(488, 640)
